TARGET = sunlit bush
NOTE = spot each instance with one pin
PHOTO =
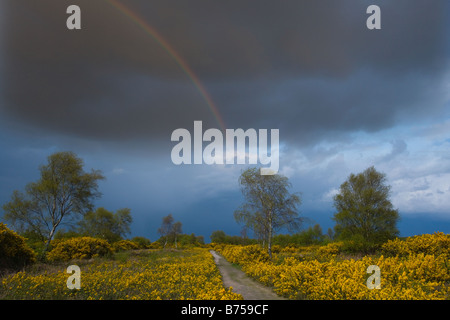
(330, 250)
(124, 245)
(155, 245)
(14, 252)
(436, 243)
(79, 248)
(241, 254)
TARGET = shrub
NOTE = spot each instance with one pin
(330, 250)
(14, 252)
(142, 242)
(436, 243)
(124, 245)
(256, 253)
(155, 245)
(36, 242)
(357, 244)
(245, 254)
(79, 248)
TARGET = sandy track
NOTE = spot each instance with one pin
(241, 283)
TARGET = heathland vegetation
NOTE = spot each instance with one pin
(35, 248)
(413, 268)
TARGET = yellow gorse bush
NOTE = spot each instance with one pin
(14, 252)
(436, 243)
(190, 274)
(124, 245)
(420, 270)
(79, 248)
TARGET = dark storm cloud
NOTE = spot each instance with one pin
(306, 67)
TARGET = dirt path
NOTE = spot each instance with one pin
(241, 283)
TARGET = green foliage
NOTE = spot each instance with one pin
(105, 224)
(268, 204)
(79, 248)
(365, 216)
(220, 237)
(35, 242)
(66, 234)
(14, 252)
(190, 240)
(155, 245)
(312, 235)
(169, 230)
(63, 191)
(358, 244)
(142, 242)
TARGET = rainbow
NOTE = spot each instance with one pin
(148, 29)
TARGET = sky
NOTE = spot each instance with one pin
(343, 98)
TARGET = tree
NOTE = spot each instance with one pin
(166, 228)
(105, 224)
(218, 236)
(312, 235)
(269, 206)
(142, 242)
(63, 191)
(365, 212)
(330, 234)
(176, 230)
(170, 230)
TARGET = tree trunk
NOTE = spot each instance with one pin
(269, 236)
(50, 237)
(47, 244)
(269, 243)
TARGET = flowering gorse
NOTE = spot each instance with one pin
(159, 274)
(417, 268)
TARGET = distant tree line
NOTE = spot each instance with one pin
(219, 236)
(310, 236)
(171, 233)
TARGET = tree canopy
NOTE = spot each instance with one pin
(169, 229)
(63, 191)
(268, 205)
(364, 211)
(104, 224)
